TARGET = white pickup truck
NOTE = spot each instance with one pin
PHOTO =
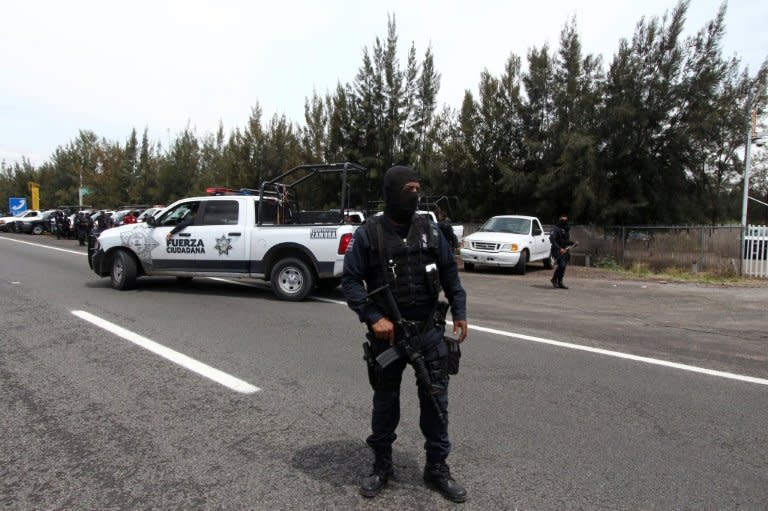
(252, 234)
(510, 241)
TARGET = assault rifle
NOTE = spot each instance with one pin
(407, 345)
(568, 249)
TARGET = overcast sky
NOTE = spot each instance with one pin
(109, 66)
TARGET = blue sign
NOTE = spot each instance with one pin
(17, 205)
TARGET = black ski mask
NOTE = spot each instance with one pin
(563, 223)
(400, 205)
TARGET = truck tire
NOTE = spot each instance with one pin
(549, 262)
(38, 229)
(291, 279)
(123, 272)
(521, 263)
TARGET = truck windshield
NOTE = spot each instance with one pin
(511, 225)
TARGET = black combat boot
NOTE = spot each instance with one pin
(438, 477)
(382, 471)
(553, 280)
(561, 285)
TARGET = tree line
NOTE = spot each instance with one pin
(657, 136)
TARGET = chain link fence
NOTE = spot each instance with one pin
(689, 248)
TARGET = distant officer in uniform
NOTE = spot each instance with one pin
(60, 225)
(407, 252)
(102, 221)
(560, 239)
(444, 223)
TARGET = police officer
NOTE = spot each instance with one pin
(560, 239)
(407, 252)
(444, 223)
(80, 227)
(59, 225)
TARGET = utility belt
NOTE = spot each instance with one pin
(389, 377)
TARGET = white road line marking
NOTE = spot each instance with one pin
(326, 300)
(190, 363)
(598, 351)
(627, 356)
(44, 246)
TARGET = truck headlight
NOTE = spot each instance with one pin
(466, 244)
(509, 247)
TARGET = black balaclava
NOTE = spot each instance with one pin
(562, 222)
(400, 205)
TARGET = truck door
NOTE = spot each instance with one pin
(222, 237)
(540, 240)
(178, 253)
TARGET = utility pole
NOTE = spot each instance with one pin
(745, 199)
(747, 154)
(80, 190)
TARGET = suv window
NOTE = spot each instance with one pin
(220, 212)
(536, 228)
(174, 216)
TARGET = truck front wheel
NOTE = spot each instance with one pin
(123, 273)
(291, 279)
(521, 263)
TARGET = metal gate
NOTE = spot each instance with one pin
(755, 263)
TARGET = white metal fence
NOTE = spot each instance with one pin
(755, 262)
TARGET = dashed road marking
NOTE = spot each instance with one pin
(181, 359)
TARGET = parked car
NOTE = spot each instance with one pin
(147, 213)
(119, 217)
(507, 241)
(37, 225)
(8, 223)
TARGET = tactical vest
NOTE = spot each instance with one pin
(562, 237)
(403, 264)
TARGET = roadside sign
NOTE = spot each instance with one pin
(34, 191)
(17, 205)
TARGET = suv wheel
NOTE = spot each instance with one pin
(123, 273)
(291, 279)
(38, 229)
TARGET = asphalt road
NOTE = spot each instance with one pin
(666, 410)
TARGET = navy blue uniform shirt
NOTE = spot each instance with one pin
(357, 270)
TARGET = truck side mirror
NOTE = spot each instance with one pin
(150, 221)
